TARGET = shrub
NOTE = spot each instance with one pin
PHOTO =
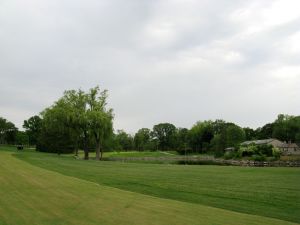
(218, 154)
(259, 158)
(265, 150)
(183, 151)
(239, 153)
(229, 155)
(52, 148)
(262, 150)
(247, 151)
(276, 153)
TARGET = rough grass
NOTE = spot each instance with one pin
(140, 154)
(32, 195)
(117, 154)
(270, 192)
(290, 158)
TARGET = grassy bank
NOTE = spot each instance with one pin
(270, 192)
(32, 195)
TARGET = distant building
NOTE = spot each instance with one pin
(290, 149)
(230, 149)
(285, 148)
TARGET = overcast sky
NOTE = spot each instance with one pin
(175, 61)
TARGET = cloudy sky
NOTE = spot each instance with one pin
(175, 61)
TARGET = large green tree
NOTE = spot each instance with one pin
(75, 105)
(8, 132)
(142, 139)
(286, 127)
(234, 135)
(124, 141)
(22, 138)
(250, 134)
(32, 127)
(265, 132)
(99, 118)
(77, 117)
(200, 135)
(182, 140)
(230, 135)
(165, 133)
(55, 134)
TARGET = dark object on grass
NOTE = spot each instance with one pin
(20, 147)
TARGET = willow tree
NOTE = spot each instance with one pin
(55, 134)
(78, 116)
(75, 105)
(100, 118)
(87, 116)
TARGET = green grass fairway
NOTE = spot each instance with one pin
(131, 154)
(32, 195)
(268, 192)
(140, 154)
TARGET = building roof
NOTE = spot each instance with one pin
(268, 141)
(290, 145)
(258, 142)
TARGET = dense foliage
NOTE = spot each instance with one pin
(32, 127)
(76, 120)
(206, 136)
(254, 152)
(81, 120)
(9, 133)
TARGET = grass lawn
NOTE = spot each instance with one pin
(32, 195)
(140, 154)
(268, 192)
(13, 148)
(116, 154)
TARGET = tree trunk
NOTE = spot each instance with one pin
(76, 148)
(101, 153)
(98, 149)
(86, 154)
(86, 150)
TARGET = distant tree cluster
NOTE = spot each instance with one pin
(10, 135)
(81, 120)
(284, 128)
(8, 132)
(76, 120)
(205, 136)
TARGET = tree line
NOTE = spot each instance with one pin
(207, 136)
(8, 132)
(82, 120)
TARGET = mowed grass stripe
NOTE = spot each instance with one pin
(270, 192)
(31, 195)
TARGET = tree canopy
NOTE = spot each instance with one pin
(83, 120)
(8, 132)
(77, 119)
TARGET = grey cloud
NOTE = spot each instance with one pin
(176, 61)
